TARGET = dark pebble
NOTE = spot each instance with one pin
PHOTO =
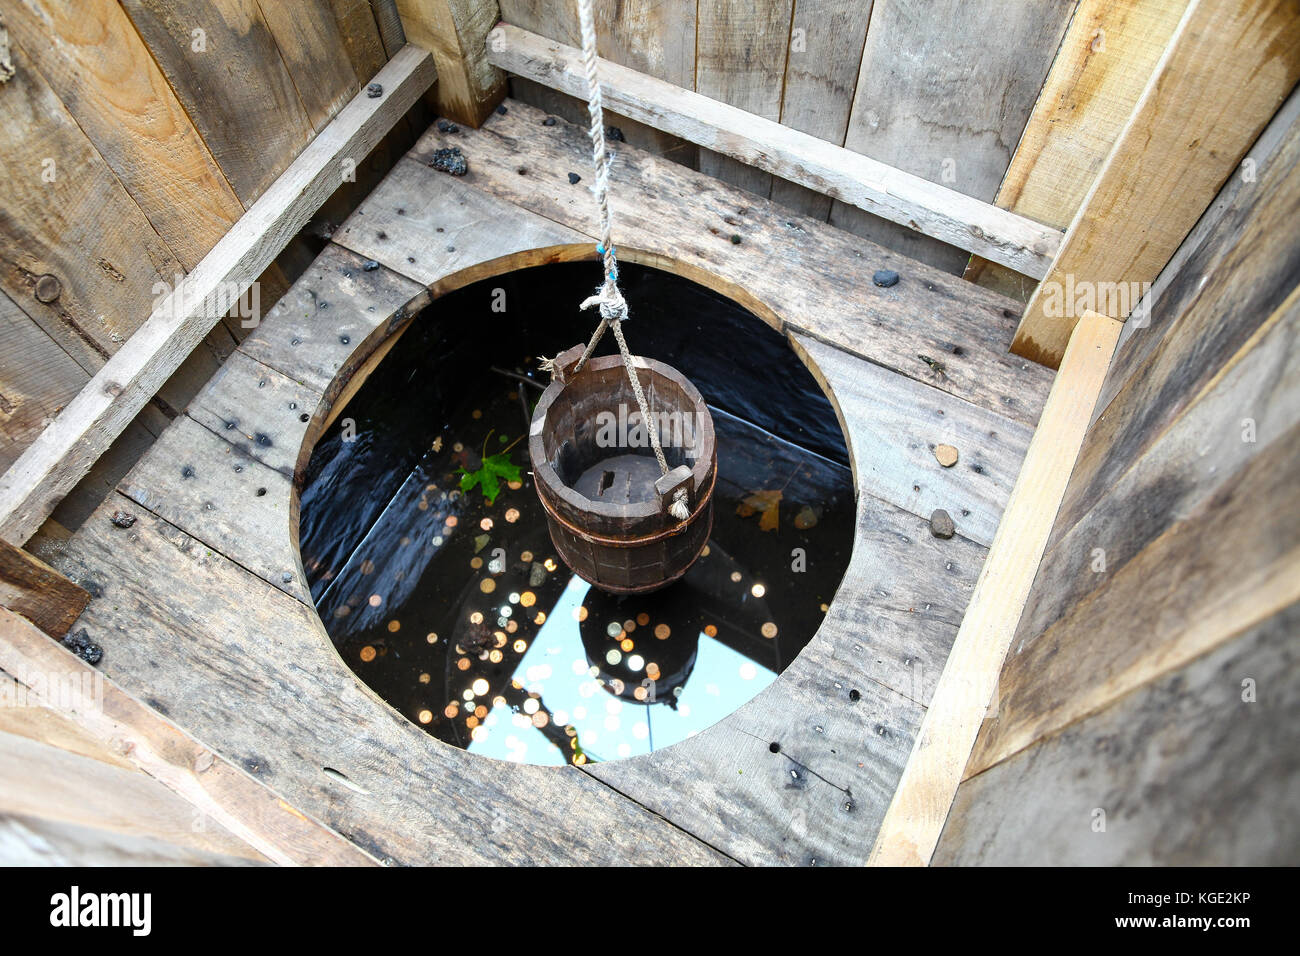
(885, 278)
(123, 520)
(371, 265)
(447, 126)
(735, 239)
(549, 121)
(501, 110)
(941, 525)
(375, 90)
(615, 134)
(450, 161)
(81, 645)
(574, 179)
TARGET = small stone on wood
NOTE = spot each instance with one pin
(375, 90)
(574, 179)
(946, 455)
(885, 278)
(123, 520)
(502, 110)
(941, 525)
(549, 121)
(81, 645)
(371, 265)
(450, 161)
(447, 126)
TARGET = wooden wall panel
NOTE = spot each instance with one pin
(945, 90)
(1173, 574)
(315, 55)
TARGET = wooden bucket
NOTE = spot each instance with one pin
(597, 477)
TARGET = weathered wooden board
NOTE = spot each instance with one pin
(31, 588)
(37, 379)
(1266, 170)
(99, 67)
(23, 716)
(675, 219)
(314, 53)
(945, 91)
(1253, 262)
(1253, 402)
(219, 493)
(428, 226)
(37, 841)
(740, 58)
(881, 189)
(896, 424)
(180, 319)
(361, 38)
(1228, 564)
(1217, 86)
(333, 316)
(218, 794)
(66, 788)
(455, 32)
(252, 672)
(970, 674)
(1186, 771)
(821, 73)
(1100, 71)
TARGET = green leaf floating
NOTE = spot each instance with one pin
(495, 469)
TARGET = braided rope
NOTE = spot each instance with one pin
(613, 307)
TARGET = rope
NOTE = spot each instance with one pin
(613, 307)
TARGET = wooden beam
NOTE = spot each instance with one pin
(65, 451)
(890, 193)
(961, 700)
(216, 788)
(1227, 69)
(455, 32)
(33, 589)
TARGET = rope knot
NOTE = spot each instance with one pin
(613, 307)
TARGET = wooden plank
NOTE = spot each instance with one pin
(455, 31)
(389, 22)
(37, 379)
(1174, 601)
(222, 61)
(99, 67)
(361, 37)
(219, 795)
(826, 41)
(64, 451)
(899, 421)
(930, 326)
(883, 190)
(30, 587)
(1185, 769)
(257, 679)
(65, 788)
(1215, 236)
(316, 56)
(925, 792)
(740, 58)
(1216, 87)
(944, 92)
(23, 716)
(1105, 60)
(36, 841)
(1175, 476)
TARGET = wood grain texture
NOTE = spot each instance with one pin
(897, 422)
(826, 40)
(969, 680)
(64, 452)
(315, 54)
(251, 672)
(217, 795)
(31, 588)
(39, 841)
(1226, 70)
(885, 190)
(103, 73)
(1186, 771)
(1175, 475)
(361, 37)
(674, 219)
(944, 92)
(740, 60)
(232, 82)
(1177, 599)
(455, 32)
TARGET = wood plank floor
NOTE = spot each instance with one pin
(202, 608)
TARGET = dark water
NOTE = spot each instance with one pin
(458, 611)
